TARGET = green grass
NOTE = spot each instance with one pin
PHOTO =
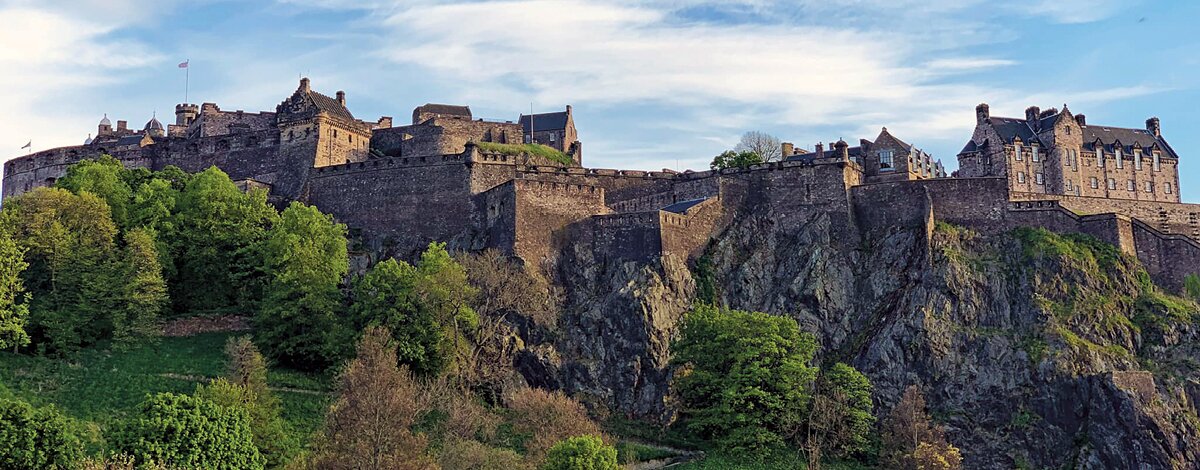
(538, 150)
(780, 461)
(99, 388)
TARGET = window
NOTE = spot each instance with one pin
(1132, 185)
(1070, 185)
(1021, 177)
(1167, 188)
(1149, 187)
(1039, 178)
(1112, 183)
(1017, 151)
(1099, 157)
(335, 133)
(1157, 162)
(1137, 159)
(552, 137)
(1117, 155)
(885, 160)
(1037, 156)
(1067, 130)
(1095, 183)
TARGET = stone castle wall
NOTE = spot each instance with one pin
(1166, 217)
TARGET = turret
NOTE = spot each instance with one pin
(841, 150)
(186, 113)
(105, 127)
(1154, 126)
(982, 113)
(153, 128)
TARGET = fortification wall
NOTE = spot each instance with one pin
(213, 122)
(1166, 217)
(978, 203)
(635, 236)
(686, 235)
(498, 220)
(442, 136)
(618, 185)
(544, 213)
(1169, 258)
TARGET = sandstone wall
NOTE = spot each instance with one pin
(1166, 217)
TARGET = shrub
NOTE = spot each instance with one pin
(190, 432)
(35, 438)
(581, 453)
(745, 379)
(473, 455)
(548, 417)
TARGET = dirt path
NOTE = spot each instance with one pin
(195, 325)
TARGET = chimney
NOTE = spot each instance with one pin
(1081, 120)
(122, 125)
(787, 149)
(304, 85)
(820, 150)
(385, 122)
(341, 97)
(982, 113)
(568, 109)
(1031, 116)
(1154, 126)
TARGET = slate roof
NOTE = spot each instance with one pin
(682, 206)
(330, 105)
(132, 139)
(445, 109)
(545, 121)
(1008, 128)
(970, 147)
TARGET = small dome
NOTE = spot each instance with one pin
(88, 140)
(153, 125)
(104, 121)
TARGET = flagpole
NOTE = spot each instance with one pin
(187, 79)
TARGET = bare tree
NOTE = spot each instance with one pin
(765, 145)
(912, 441)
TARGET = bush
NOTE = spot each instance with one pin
(474, 455)
(547, 418)
(35, 438)
(581, 453)
(189, 432)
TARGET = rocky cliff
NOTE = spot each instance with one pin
(1035, 350)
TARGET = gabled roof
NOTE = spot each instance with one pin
(330, 105)
(445, 109)
(545, 121)
(970, 147)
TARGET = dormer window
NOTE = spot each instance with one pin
(1137, 159)
(1017, 151)
(1099, 156)
(1117, 155)
(1157, 161)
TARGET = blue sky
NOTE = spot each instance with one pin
(653, 84)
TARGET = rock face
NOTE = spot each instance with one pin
(1034, 350)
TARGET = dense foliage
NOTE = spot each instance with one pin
(746, 380)
(189, 432)
(581, 453)
(14, 311)
(732, 159)
(35, 438)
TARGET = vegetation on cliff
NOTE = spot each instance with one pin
(534, 150)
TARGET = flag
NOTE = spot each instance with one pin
(184, 64)
(27, 145)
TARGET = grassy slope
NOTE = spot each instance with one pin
(99, 388)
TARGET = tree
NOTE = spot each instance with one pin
(181, 431)
(73, 273)
(745, 378)
(369, 426)
(459, 454)
(245, 386)
(1191, 286)
(581, 453)
(504, 290)
(761, 143)
(442, 288)
(219, 230)
(306, 259)
(35, 438)
(14, 311)
(839, 419)
(103, 177)
(145, 290)
(731, 159)
(910, 439)
(548, 417)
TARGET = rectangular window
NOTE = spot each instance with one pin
(1021, 177)
(1095, 183)
(1112, 183)
(1017, 152)
(1039, 178)
(1037, 156)
(1167, 188)
(1070, 185)
(1132, 185)
(1137, 159)
(1149, 187)
(885, 160)
(1099, 157)
(1157, 162)
(1117, 155)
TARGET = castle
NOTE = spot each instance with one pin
(449, 176)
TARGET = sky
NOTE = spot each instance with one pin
(653, 84)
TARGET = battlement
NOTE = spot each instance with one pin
(387, 162)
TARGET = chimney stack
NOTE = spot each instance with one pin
(820, 150)
(304, 88)
(1154, 126)
(982, 113)
(341, 97)
(1031, 116)
(787, 149)
(1081, 119)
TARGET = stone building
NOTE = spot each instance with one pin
(555, 130)
(887, 158)
(1057, 152)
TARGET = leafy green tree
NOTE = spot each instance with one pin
(306, 259)
(219, 229)
(1191, 286)
(73, 272)
(35, 438)
(189, 432)
(247, 371)
(145, 290)
(581, 453)
(14, 311)
(104, 177)
(745, 377)
(731, 159)
(839, 418)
